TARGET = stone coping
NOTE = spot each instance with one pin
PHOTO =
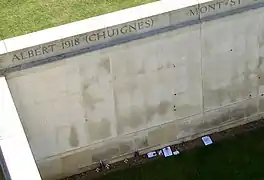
(112, 29)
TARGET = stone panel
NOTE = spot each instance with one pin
(149, 84)
(74, 162)
(105, 151)
(50, 169)
(230, 59)
(146, 93)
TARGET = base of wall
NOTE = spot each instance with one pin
(52, 168)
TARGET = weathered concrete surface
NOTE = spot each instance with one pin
(193, 68)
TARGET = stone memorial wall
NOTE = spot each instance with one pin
(136, 79)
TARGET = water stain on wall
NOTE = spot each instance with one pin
(237, 113)
(140, 117)
(105, 64)
(260, 71)
(156, 137)
(130, 86)
(231, 114)
(135, 119)
(104, 152)
(170, 131)
(251, 110)
(126, 147)
(161, 109)
(141, 142)
(261, 104)
(73, 139)
(185, 110)
(142, 70)
(150, 112)
(233, 92)
(98, 130)
(89, 100)
(72, 162)
(229, 94)
(164, 134)
(214, 119)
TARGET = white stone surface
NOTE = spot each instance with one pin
(3, 61)
(165, 88)
(2, 47)
(231, 46)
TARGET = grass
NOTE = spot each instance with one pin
(238, 158)
(19, 17)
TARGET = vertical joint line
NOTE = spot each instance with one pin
(259, 41)
(201, 58)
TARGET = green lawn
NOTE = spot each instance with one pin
(19, 17)
(238, 158)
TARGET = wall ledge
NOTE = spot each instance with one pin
(111, 29)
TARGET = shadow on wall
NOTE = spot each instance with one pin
(1, 174)
(4, 174)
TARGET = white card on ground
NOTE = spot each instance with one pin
(207, 140)
(167, 151)
(152, 154)
(176, 152)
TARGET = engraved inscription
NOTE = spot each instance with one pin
(70, 43)
(36, 51)
(213, 7)
(84, 40)
(126, 29)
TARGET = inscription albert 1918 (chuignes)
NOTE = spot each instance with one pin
(88, 38)
(213, 7)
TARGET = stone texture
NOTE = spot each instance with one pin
(76, 161)
(230, 46)
(146, 93)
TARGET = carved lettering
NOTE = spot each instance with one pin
(92, 37)
(112, 32)
(34, 52)
(194, 12)
(45, 50)
(38, 51)
(89, 38)
(23, 56)
(124, 29)
(132, 28)
(149, 23)
(70, 43)
(141, 25)
(203, 9)
(213, 7)
(30, 53)
(15, 58)
(101, 35)
(51, 46)
(220, 4)
(232, 2)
